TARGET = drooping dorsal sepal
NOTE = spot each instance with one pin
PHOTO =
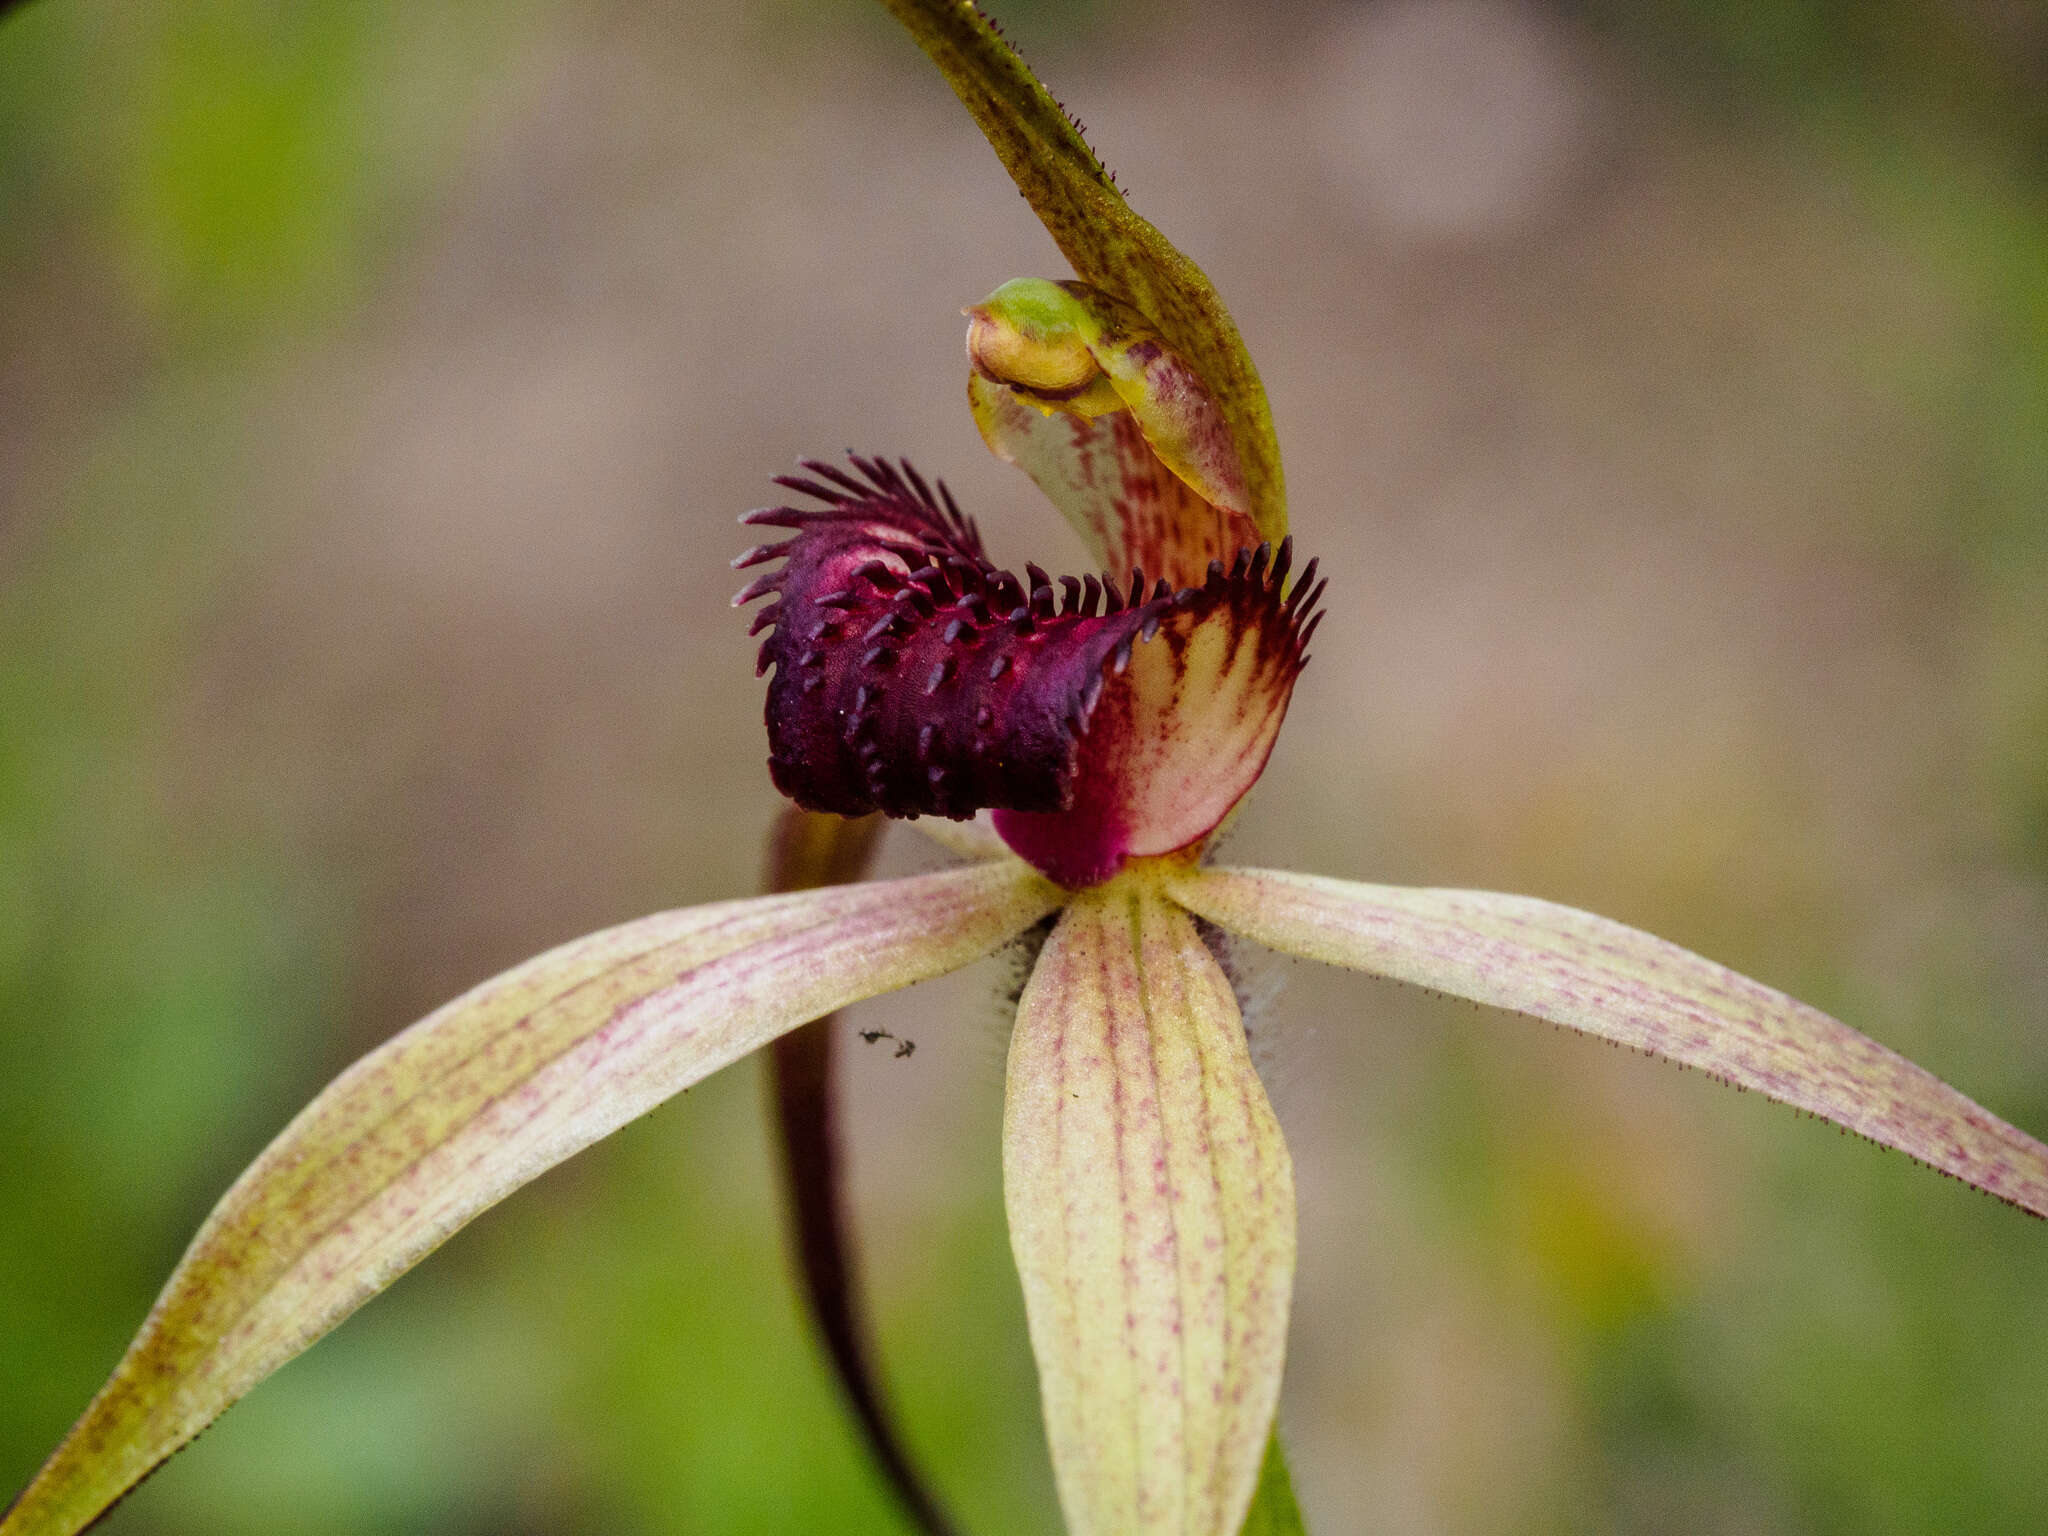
(1118, 429)
(1102, 718)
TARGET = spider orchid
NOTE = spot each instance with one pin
(1107, 727)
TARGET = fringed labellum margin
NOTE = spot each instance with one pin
(1103, 721)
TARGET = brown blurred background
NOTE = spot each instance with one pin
(1665, 389)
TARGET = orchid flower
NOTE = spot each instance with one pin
(1082, 742)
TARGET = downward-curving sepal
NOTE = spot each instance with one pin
(1151, 1206)
(1591, 974)
(472, 1102)
(807, 850)
(914, 678)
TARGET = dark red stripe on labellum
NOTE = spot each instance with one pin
(915, 678)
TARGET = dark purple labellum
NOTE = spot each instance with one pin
(911, 677)
(914, 678)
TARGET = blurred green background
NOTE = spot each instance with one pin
(1665, 389)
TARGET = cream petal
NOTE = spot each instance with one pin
(483, 1095)
(1594, 975)
(1151, 1204)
